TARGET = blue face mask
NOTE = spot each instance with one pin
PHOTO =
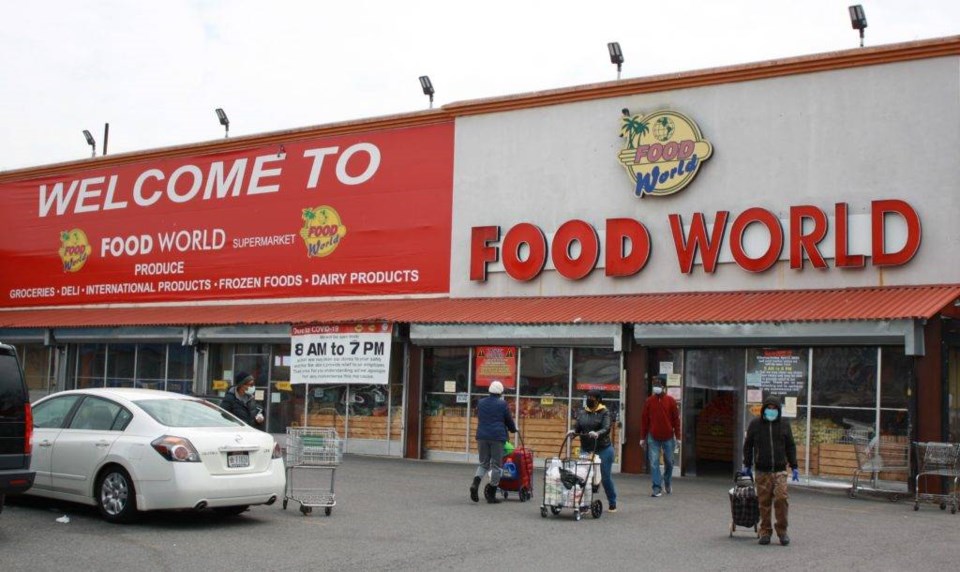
(770, 414)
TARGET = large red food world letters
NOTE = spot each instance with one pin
(353, 215)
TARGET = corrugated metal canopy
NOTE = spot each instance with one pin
(887, 303)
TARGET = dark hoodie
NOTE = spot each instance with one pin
(769, 445)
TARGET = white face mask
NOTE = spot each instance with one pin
(657, 390)
(251, 390)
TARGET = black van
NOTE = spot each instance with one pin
(16, 426)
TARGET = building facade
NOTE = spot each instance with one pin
(783, 228)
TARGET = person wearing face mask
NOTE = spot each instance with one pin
(593, 426)
(768, 448)
(240, 401)
(659, 425)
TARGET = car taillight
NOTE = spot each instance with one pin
(176, 449)
(28, 434)
(277, 453)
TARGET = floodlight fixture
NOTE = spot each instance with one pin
(427, 88)
(858, 19)
(222, 116)
(616, 56)
(91, 142)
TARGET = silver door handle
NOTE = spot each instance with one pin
(103, 444)
(44, 443)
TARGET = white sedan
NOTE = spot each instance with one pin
(128, 450)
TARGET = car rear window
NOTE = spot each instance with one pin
(12, 394)
(187, 413)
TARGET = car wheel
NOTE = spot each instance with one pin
(231, 510)
(116, 497)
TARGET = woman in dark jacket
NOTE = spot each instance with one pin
(493, 422)
(239, 401)
(593, 426)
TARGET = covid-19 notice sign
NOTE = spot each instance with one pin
(334, 354)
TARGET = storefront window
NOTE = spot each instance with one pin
(445, 373)
(544, 398)
(598, 369)
(284, 409)
(91, 365)
(120, 364)
(327, 407)
(151, 365)
(36, 368)
(180, 369)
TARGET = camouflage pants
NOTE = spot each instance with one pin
(772, 493)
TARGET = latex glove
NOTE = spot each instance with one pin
(796, 475)
(747, 471)
(571, 432)
(643, 444)
(259, 418)
(593, 434)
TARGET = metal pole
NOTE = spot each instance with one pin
(106, 136)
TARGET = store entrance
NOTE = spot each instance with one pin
(710, 425)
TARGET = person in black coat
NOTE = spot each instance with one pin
(493, 422)
(593, 426)
(239, 400)
(768, 448)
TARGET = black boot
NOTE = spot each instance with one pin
(490, 493)
(474, 488)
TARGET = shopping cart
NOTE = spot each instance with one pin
(938, 460)
(311, 449)
(876, 455)
(570, 482)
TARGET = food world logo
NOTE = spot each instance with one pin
(74, 249)
(662, 151)
(322, 231)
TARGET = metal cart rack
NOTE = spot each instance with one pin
(311, 449)
(571, 483)
(875, 455)
(938, 460)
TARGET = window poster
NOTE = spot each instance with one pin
(781, 373)
(496, 363)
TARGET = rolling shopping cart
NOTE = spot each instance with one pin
(879, 456)
(570, 482)
(311, 449)
(938, 460)
(744, 504)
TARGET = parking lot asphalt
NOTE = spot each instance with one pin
(394, 514)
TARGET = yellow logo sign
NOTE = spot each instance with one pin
(322, 230)
(662, 151)
(74, 249)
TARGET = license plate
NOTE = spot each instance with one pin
(238, 460)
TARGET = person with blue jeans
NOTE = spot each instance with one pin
(593, 426)
(660, 433)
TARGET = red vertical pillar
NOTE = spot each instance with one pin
(632, 460)
(411, 446)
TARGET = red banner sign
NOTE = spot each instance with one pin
(359, 214)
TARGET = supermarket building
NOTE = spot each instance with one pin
(785, 228)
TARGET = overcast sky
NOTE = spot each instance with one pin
(156, 70)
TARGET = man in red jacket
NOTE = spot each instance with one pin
(659, 425)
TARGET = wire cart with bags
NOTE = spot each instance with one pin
(570, 482)
(311, 449)
(938, 460)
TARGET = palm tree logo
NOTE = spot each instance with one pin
(322, 230)
(633, 128)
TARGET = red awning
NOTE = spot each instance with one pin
(887, 303)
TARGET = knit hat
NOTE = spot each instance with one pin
(496, 388)
(241, 377)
